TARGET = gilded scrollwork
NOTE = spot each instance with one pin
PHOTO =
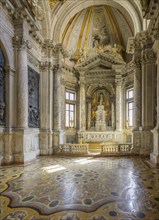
(53, 2)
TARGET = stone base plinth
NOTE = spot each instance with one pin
(20, 146)
(136, 142)
(100, 126)
(154, 156)
(146, 142)
(56, 139)
(46, 142)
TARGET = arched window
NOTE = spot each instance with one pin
(2, 89)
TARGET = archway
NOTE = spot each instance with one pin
(2, 89)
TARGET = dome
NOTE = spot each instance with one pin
(97, 26)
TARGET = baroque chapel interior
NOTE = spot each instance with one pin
(79, 109)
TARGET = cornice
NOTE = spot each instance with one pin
(67, 68)
(22, 13)
(137, 42)
(59, 48)
(100, 58)
(107, 73)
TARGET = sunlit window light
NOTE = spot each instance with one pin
(54, 168)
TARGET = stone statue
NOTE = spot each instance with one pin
(101, 98)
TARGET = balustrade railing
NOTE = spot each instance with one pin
(115, 148)
(106, 148)
(73, 148)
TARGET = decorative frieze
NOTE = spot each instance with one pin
(107, 136)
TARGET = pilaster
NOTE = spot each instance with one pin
(113, 112)
(21, 45)
(148, 100)
(154, 156)
(137, 97)
(119, 102)
(89, 99)
(82, 102)
(58, 54)
(46, 122)
(21, 144)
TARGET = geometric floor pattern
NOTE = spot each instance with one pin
(80, 188)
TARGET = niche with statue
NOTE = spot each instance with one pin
(101, 110)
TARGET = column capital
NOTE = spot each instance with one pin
(118, 80)
(137, 58)
(148, 56)
(46, 65)
(57, 67)
(88, 99)
(21, 42)
(63, 82)
(59, 49)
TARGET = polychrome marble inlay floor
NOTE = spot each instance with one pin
(66, 188)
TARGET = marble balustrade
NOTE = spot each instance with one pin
(72, 148)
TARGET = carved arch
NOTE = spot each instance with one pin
(92, 88)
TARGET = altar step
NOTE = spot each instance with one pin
(94, 147)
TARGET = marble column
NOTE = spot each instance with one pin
(63, 111)
(25, 139)
(154, 156)
(89, 112)
(82, 103)
(46, 108)
(57, 104)
(137, 100)
(22, 84)
(148, 92)
(119, 103)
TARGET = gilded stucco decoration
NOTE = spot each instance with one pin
(95, 30)
(53, 2)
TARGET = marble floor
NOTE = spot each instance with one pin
(74, 188)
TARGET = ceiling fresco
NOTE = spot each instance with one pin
(97, 29)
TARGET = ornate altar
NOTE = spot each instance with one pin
(101, 110)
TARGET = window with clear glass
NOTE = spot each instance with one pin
(130, 107)
(70, 109)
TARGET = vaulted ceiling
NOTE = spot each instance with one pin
(101, 25)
